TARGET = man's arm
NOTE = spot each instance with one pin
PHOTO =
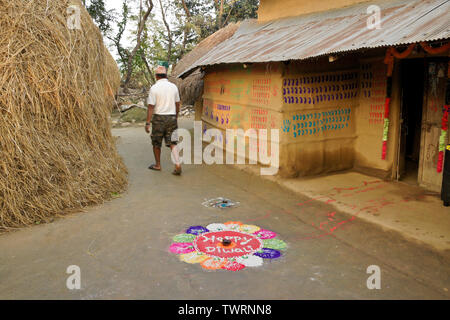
(151, 102)
(150, 109)
(177, 104)
(177, 100)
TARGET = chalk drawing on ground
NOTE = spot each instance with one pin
(231, 246)
(220, 203)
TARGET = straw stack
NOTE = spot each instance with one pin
(57, 88)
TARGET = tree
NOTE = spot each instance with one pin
(180, 26)
(102, 17)
(235, 10)
(141, 25)
(117, 38)
(169, 33)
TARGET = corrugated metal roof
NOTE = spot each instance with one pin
(334, 31)
(204, 47)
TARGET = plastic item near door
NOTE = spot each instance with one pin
(445, 193)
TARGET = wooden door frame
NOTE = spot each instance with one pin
(398, 102)
(432, 187)
(426, 90)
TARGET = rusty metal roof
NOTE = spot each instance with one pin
(333, 31)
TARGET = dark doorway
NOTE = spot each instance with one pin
(412, 85)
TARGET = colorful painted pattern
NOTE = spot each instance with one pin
(320, 88)
(248, 246)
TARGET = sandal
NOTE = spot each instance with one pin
(152, 167)
(176, 172)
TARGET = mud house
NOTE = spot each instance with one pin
(349, 84)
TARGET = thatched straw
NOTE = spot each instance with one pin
(56, 91)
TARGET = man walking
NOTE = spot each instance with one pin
(163, 108)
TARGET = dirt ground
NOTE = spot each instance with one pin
(122, 246)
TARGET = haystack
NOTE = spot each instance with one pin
(56, 90)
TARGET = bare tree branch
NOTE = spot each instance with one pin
(169, 33)
(186, 10)
(220, 13)
(228, 16)
(147, 66)
(138, 43)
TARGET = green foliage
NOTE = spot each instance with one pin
(190, 21)
(136, 114)
(121, 22)
(243, 9)
(235, 10)
(102, 17)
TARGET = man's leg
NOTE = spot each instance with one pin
(157, 137)
(171, 139)
(176, 157)
(157, 153)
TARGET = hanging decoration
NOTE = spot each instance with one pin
(444, 128)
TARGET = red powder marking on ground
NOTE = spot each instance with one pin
(375, 206)
(331, 215)
(311, 200)
(322, 224)
(364, 190)
(345, 189)
(267, 215)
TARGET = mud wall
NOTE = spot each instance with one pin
(329, 115)
(275, 9)
(319, 107)
(370, 119)
(242, 97)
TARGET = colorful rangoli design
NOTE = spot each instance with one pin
(231, 246)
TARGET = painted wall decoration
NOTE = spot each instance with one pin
(261, 91)
(262, 119)
(373, 91)
(231, 246)
(257, 91)
(217, 87)
(259, 118)
(233, 116)
(314, 123)
(217, 113)
(316, 89)
(239, 117)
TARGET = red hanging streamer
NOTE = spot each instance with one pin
(386, 108)
(384, 150)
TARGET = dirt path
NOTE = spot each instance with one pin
(122, 246)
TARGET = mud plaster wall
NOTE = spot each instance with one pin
(235, 97)
(343, 112)
(329, 115)
(275, 9)
(370, 118)
(319, 104)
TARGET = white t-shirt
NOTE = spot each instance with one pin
(163, 95)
